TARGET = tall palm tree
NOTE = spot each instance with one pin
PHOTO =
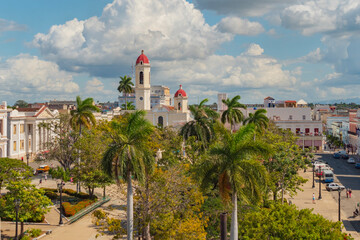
(235, 170)
(125, 157)
(259, 119)
(202, 125)
(232, 114)
(125, 86)
(128, 106)
(83, 114)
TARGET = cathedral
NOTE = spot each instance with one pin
(163, 113)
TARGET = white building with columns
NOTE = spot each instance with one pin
(3, 129)
(24, 132)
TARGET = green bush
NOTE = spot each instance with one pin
(70, 210)
(34, 232)
(51, 195)
(25, 237)
(49, 189)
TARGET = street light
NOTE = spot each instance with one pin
(27, 158)
(60, 186)
(17, 206)
(339, 189)
(320, 173)
(313, 186)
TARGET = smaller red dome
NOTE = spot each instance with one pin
(180, 92)
(142, 58)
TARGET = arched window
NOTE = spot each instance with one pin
(179, 106)
(1, 153)
(161, 121)
(141, 77)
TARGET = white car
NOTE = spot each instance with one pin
(351, 160)
(334, 186)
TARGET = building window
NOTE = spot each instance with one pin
(304, 117)
(29, 128)
(22, 130)
(307, 131)
(29, 146)
(141, 77)
(1, 128)
(14, 146)
(22, 145)
(161, 121)
(179, 106)
(290, 117)
(298, 131)
(14, 129)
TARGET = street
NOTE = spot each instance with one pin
(347, 175)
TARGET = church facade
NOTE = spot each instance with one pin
(161, 114)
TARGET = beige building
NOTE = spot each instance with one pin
(3, 129)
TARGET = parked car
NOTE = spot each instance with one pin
(357, 165)
(320, 161)
(345, 156)
(351, 160)
(336, 155)
(334, 186)
(42, 168)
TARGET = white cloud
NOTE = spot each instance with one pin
(240, 26)
(95, 86)
(166, 30)
(254, 50)
(28, 75)
(6, 25)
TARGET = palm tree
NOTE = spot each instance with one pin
(235, 170)
(232, 114)
(125, 86)
(83, 114)
(125, 156)
(202, 125)
(259, 119)
(128, 106)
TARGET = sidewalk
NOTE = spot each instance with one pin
(327, 206)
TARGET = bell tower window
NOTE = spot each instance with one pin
(179, 106)
(141, 78)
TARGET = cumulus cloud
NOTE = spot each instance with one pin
(166, 30)
(242, 7)
(240, 26)
(322, 16)
(6, 25)
(28, 74)
(95, 86)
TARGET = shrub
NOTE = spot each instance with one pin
(51, 195)
(69, 192)
(34, 232)
(70, 210)
(49, 189)
(25, 237)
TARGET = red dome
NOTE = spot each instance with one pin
(180, 92)
(142, 58)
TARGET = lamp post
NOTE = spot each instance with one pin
(320, 174)
(223, 226)
(339, 203)
(27, 158)
(17, 206)
(60, 186)
(313, 186)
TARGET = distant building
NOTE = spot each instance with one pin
(222, 106)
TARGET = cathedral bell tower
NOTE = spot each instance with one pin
(142, 82)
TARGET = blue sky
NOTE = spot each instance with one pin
(286, 49)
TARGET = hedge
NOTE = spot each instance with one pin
(51, 195)
(70, 210)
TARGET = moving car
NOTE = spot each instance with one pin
(328, 176)
(42, 168)
(357, 165)
(334, 186)
(336, 155)
(345, 156)
(351, 160)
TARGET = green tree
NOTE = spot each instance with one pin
(33, 203)
(202, 127)
(236, 170)
(62, 147)
(282, 221)
(125, 154)
(125, 86)
(83, 114)
(20, 104)
(259, 119)
(232, 114)
(128, 106)
(12, 170)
